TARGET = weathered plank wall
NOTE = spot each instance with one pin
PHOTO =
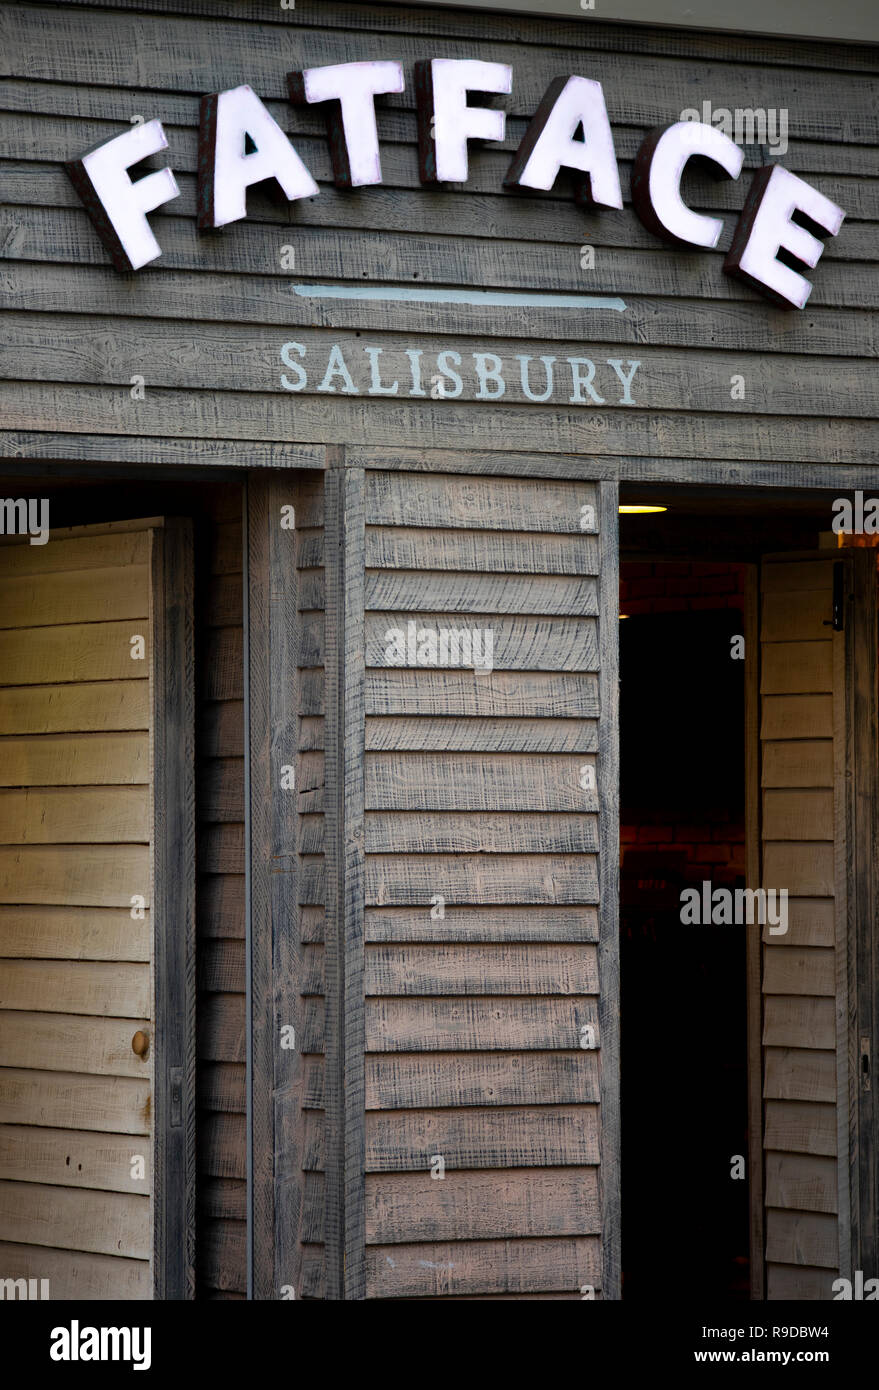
(75, 829)
(79, 75)
(221, 1140)
(801, 712)
(480, 799)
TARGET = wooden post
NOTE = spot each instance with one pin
(344, 745)
(174, 911)
(609, 921)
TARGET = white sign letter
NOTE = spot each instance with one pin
(656, 180)
(765, 228)
(549, 144)
(227, 168)
(351, 127)
(116, 205)
(446, 122)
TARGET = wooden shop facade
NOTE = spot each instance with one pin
(361, 733)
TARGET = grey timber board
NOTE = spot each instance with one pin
(171, 52)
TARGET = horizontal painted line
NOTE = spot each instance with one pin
(490, 298)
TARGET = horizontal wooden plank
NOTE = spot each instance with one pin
(221, 967)
(799, 1284)
(88, 815)
(223, 1199)
(428, 21)
(407, 880)
(81, 596)
(411, 1081)
(487, 552)
(804, 814)
(505, 925)
(796, 668)
(501, 694)
(413, 592)
(503, 504)
(800, 1127)
(408, 1207)
(798, 763)
(74, 1158)
(112, 1104)
(221, 729)
(501, 782)
(439, 735)
(221, 1028)
(206, 296)
(480, 970)
(45, 1041)
(223, 1146)
(65, 760)
(806, 868)
(542, 1136)
(473, 1267)
(86, 707)
(429, 832)
(94, 349)
(74, 652)
(74, 933)
(796, 617)
(810, 922)
(111, 548)
(221, 1087)
(74, 1275)
(796, 716)
(806, 970)
(224, 1256)
(800, 1182)
(77, 987)
(220, 905)
(502, 642)
(805, 1238)
(799, 1022)
(100, 876)
(799, 1074)
(472, 1025)
(796, 576)
(108, 1223)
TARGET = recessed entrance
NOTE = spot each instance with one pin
(738, 674)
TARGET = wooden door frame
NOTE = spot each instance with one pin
(172, 908)
(753, 937)
(858, 1010)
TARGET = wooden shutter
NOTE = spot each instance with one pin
(817, 751)
(96, 912)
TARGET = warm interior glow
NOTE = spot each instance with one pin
(638, 508)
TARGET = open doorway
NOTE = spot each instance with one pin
(736, 727)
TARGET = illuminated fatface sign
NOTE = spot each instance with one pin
(241, 144)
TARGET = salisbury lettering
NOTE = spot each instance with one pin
(240, 144)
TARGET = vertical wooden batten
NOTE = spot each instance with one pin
(859, 1018)
(274, 946)
(174, 910)
(345, 742)
(753, 946)
(609, 923)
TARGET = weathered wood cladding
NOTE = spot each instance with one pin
(455, 1036)
(475, 1005)
(76, 82)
